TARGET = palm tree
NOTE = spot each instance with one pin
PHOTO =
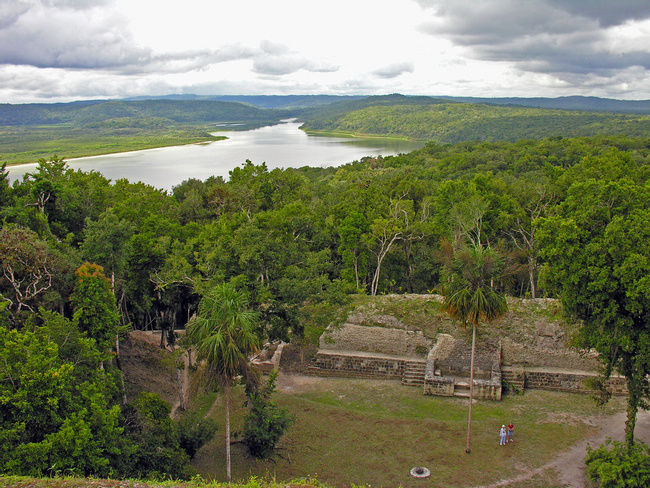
(469, 295)
(223, 337)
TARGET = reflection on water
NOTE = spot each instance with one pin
(279, 146)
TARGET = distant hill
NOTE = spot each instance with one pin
(176, 111)
(82, 128)
(451, 121)
(263, 101)
(566, 103)
(310, 101)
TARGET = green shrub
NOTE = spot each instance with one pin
(193, 434)
(617, 465)
(156, 452)
(266, 422)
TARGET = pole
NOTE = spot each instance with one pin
(471, 388)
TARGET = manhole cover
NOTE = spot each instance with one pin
(420, 472)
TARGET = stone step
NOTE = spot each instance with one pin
(413, 380)
(414, 373)
(415, 364)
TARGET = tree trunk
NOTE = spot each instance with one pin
(471, 388)
(181, 389)
(226, 394)
(531, 275)
(632, 409)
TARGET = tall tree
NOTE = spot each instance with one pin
(469, 296)
(28, 265)
(223, 336)
(535, 200)
(596, 247)
(94, 306)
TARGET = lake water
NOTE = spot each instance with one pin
(279, 146)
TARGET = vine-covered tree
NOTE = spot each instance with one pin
(94, 306)
(29, 267)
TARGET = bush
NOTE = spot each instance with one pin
(193, 434)
(156, 450)
(616, 465)
(266, 422)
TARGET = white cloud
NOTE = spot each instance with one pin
(71, 49)
(394, 70)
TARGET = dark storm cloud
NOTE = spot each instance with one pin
(552, 36)
(607, 12)
(394, 70)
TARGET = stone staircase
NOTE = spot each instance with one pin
(461, 389)
(514, 378)
(414, 373)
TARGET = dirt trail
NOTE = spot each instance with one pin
(569, 465)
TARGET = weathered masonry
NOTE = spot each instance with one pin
(442, 367)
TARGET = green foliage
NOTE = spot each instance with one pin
(193, 433)
(599, 263)
(265, 422)
(51, 416)
(618, 465)
(156, 451)
(94, 305)
(468, 289)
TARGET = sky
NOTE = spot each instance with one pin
(64, 50)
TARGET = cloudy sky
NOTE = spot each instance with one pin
(62, 50)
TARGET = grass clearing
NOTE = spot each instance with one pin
(19, 145)
(372, 432)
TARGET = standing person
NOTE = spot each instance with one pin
(503, 436)
(511, 432)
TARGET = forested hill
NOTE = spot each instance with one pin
(595, 104)
(178, 111)
(451, 122)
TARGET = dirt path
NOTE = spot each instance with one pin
(569, 465)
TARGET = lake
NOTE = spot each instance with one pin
(279, 146)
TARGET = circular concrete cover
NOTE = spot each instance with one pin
(420, 472)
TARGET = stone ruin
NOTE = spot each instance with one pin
(447, 371)
(441, 366)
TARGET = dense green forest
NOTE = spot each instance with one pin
(439, 120)
(94, 112)
(83, 258)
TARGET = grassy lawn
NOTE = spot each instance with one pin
(373, 432)
(27, 144)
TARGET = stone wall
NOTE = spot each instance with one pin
(525, 356)
(333, 363)
(439, 386)
(381, 340)
(559, 380)
(452, 357)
